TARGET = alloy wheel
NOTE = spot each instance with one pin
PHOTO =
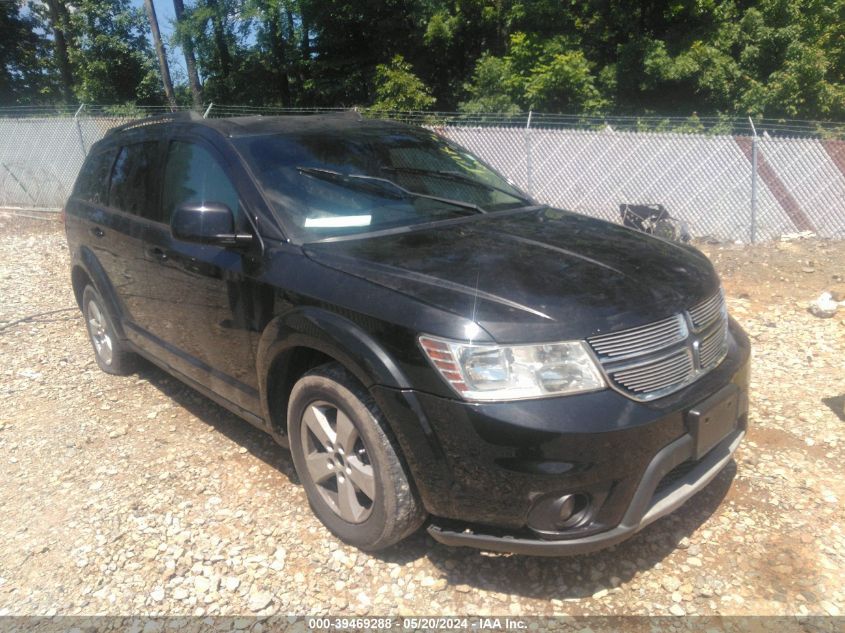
(98, 329)
(337, 462)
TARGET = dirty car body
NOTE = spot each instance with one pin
(552, 383)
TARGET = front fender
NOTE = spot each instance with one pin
(334, 336)
(329, 334)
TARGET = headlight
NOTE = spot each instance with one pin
(513, 372)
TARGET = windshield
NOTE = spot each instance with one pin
(329, 183)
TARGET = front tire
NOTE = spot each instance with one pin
(110, 352)
(350, 469)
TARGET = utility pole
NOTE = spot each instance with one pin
(161, 53)
(190, 60)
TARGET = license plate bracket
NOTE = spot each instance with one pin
(713, 419)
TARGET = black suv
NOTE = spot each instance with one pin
(430, 343)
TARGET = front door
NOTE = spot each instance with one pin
(199, 318)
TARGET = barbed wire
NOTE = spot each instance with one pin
(693, 124)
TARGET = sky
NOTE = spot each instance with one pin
(166, 18)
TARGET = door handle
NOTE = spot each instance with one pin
(158, 254)
(97, 232)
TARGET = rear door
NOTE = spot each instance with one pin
(87, 219)
(111, 200)
(198, 314)
(133, 193)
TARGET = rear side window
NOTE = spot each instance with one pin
(132, 187)
(93, 181)
(193, 175)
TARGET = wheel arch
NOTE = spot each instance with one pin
(86, 269)
(299, 340)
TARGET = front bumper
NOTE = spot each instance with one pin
(481, 468)
(646, 506)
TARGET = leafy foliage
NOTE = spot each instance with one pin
(398, 88)
(25, 66)
(773, 58)
(112, 59)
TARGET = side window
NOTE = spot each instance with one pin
(94, 178)
(192, 175)
(133, 185)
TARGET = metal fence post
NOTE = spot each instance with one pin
(79, 131)
(528, 175)
(754, 149)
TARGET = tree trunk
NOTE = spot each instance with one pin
(161, 53)
(278, 45)
(220, 38)
(190, 60)
(305, 42)
(291, 44)
(59, 26)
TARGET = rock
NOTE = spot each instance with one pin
(677, 610)
(157, 594)
(232, 583)
(202, 584)
(830, 608)
(824, 306)
(440, 585)
(671, 584)
(260, 600)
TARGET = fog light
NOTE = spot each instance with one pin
(570, 510)
(555, 513)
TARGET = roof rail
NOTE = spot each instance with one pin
(169, 117)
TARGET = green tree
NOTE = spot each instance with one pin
(350, 38)
(491, 88)
(398, 88)
(548, 75)
(24, 56)
(111, 56)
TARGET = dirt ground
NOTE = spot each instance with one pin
(136, 495)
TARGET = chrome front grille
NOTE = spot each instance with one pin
(713, 346)
(641, 340)
(656, 374)
(705, 313)
(657, 359)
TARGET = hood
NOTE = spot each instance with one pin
(533, 275)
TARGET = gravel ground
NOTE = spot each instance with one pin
(138, 496)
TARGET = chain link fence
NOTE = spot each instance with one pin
(706, 179)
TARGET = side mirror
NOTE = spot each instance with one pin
(207, 223)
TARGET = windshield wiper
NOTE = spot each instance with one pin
(458, 176)
(364, 182)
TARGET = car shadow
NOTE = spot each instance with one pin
(571, 577)
(837, 405)
(529, 576)
(255, 441)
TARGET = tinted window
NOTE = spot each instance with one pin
(132, 188)
(193, 175)
(92, 184)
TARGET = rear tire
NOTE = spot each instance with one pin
(110, 352)
(350, 468)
